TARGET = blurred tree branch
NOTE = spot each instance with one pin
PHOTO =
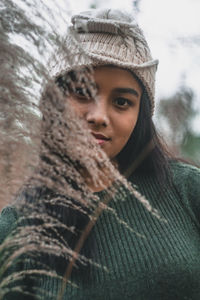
(178, 112)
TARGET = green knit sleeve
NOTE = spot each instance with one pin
(8, 220)
(193, 186)
(187, 179)
(10, 289)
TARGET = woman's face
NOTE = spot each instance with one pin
(112, 115)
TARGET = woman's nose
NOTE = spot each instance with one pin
(98, 113)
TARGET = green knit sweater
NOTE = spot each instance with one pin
(155, 260)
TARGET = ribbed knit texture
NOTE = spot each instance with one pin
(154, 259)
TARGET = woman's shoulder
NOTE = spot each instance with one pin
(185, 173)
(186, 178)
(181, 165)
(8, 218)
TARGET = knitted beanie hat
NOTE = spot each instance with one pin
(108, 36)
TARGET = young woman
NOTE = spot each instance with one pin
(128, 250)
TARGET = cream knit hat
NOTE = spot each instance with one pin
(107, 36)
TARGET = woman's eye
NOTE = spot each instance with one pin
(122, 102)
(82, 93)
(79, 92)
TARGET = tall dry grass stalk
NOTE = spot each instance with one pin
(45, 152)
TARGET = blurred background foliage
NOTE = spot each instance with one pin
(174, 122)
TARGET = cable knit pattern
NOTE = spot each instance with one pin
(155, 260)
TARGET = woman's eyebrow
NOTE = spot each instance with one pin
(127, 91)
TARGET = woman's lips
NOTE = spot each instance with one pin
(100, 138)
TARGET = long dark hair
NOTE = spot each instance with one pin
(145, 152)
